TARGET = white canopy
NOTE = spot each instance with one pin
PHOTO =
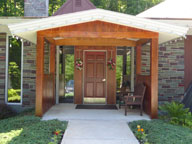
(179, 9)
(28, 30)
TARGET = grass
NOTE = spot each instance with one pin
(69, 94)
(160, 132)
(28, 129)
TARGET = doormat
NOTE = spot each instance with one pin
(109, 107)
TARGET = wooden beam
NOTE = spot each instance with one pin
(92, 34)
(138, 59)
(39, 76)
(95, 42)
(143, 41)
(50, 40)
(154, 78)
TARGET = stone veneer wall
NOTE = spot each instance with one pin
(2, 66)
(29, 74)
(171, 69)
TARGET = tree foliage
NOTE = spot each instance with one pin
(16, 7)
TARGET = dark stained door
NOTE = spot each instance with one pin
(95, 75)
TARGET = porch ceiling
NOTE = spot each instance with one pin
(28, 30)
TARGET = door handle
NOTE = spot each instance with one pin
(103, 80)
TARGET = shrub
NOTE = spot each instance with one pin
(13, 95)
(161, 132)
(15, 75)
(28, 129)
(6, 112)
(175, 113)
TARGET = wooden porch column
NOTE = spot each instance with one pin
(132, 68)
(39, 75)
(154, 78)
(52, 66)
(125, 61)
(138, 60)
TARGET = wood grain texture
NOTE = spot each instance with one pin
(53, 68)
(92, 42)
(39, 76)
(154, 77)
(48, 92)
(111, 74)
(111, 78)
(97, 29)
(188, 61)
(147, 98)
(95, 72)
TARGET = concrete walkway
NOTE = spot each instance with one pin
(98, 132)
(95, 126)
(67, 112)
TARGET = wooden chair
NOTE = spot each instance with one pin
(124, 91)
(136, 99)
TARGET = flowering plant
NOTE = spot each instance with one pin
(111, 64)
(79, 64)
(141, 135)
(57, 136)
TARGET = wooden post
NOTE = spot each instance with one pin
(132, 68)
(154, 78)
(138, 59)
(124, 61)
(57, 75)
(39, 75)
(64, 57)
(52, 67)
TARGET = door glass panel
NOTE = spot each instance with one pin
(66, 76)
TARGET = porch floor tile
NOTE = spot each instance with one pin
(66, 112)
(98, 132)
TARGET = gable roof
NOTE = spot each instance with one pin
(28, 30)
(176, 9)
(71, 6)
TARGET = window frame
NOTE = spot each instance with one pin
(7, 73)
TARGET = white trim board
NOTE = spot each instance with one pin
(28, 30)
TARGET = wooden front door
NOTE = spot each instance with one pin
(95, 75)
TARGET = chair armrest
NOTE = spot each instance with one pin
(130, 92)
(126, 97)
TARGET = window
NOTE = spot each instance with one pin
(14, 70)
(77, 2)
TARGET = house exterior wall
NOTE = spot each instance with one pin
(171, 69)
(29, 74)
(2, 66)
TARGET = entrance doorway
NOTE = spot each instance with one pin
(95, 77)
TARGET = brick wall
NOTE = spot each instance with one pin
(29, 74)
(171, 69)
(2, 66)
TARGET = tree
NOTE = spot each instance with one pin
(16, 7)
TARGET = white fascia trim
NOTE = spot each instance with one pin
(97, 14)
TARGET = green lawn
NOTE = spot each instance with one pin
(160, 132)
(28, 129)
